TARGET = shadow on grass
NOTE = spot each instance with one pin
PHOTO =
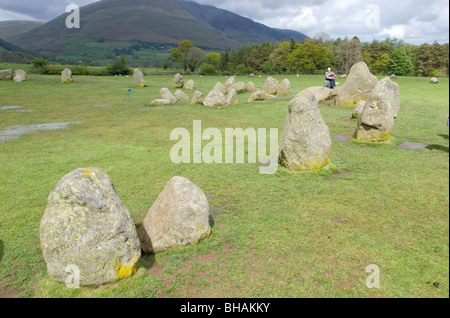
(438, 147)
(444, 136)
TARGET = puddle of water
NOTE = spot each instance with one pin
(412, 145)
(10, 107)
(344, 138)
(17, 131)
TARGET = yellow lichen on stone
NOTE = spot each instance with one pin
(124, 271)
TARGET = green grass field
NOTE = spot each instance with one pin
(283, 235)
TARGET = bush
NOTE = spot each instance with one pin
(119, 67)
(40, 66)
(208, 69)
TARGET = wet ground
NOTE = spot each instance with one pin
(412, 145)
(17, 131)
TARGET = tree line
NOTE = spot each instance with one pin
(315, 55)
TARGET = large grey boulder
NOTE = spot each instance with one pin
(214, 99)
(250, 87)
(260, 96)
(161, 101)
(197, 99)
(166, 94)
(238, 87)
(322, 93)
(86, 224)
(305, 143)
(232, 98)
(179, 217)
(230, 81)
(377, 119)
(284, 88)
(138, 77)
(6, 74)
(190, 85)
(178, 81)
(20, 76)
(220, 87)
(180, 95)
(270, 86)
(359, 84)
(66, 76)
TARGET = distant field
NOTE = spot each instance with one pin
(283, 235)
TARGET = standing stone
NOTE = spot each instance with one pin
(190, 85)
(166, 94)
(20, 76)
(178, 81)
(220, 87)
(358, 110)
(260, 96)
(238, 87)
(359, 84)
(214, 99)
(179, 217)
(86, 224)
(230, 81)
(180, 95)
(270, 86)
(377, 119)
(197, 99)
(284, 88)
(66, 76)
(305, 143)
(232, 98)
(250, 87)
(6, 74)
(138, 77)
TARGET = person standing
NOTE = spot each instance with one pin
(330, 77)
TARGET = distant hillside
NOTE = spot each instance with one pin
(10, 29)
(236, 27)
(125, 22)
(9, 53)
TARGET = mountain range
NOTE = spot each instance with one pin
(163, 21)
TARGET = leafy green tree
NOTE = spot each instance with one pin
(279, 57)
(195, 58)
(213, 58)
(309, 56)
(208, 69)
(425, 61)
(348, 53)
(40, 65)
(224, 60)
(119, 67)
(400, 64)
(180, 54)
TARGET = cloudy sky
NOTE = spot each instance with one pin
(414, 21)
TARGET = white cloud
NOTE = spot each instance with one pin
(416, 21)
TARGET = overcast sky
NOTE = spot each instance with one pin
(414, 21)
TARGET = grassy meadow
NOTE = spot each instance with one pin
(295, 235)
